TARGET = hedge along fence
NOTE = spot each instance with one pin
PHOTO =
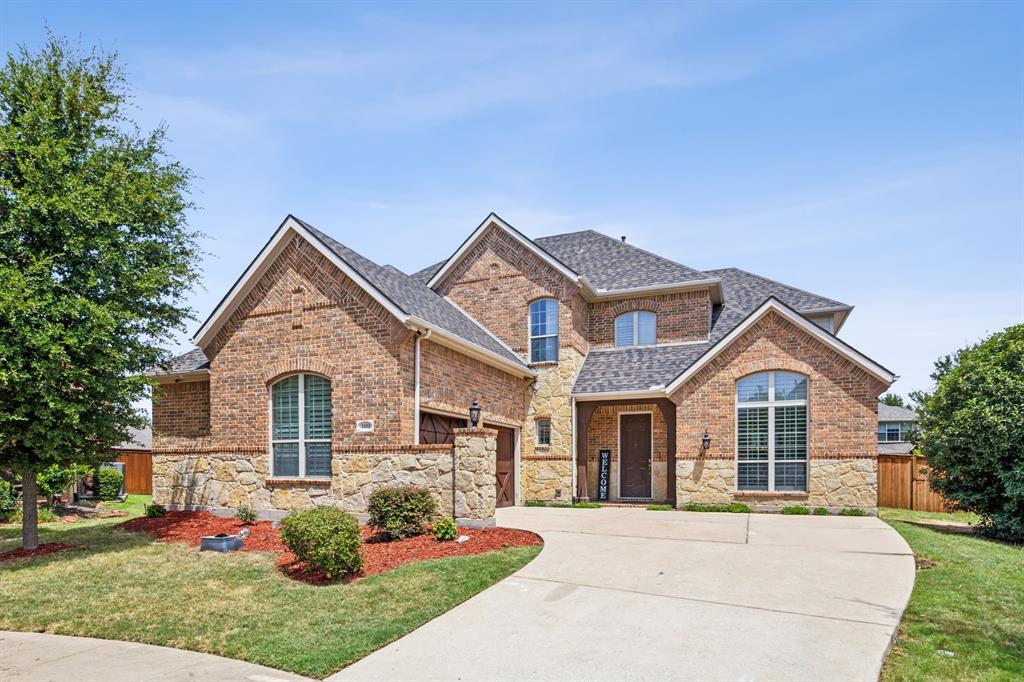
(903, 484)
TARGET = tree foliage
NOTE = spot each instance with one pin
(95, 259)
(972, 431)
(893, 399)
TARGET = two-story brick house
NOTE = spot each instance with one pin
(322, 375)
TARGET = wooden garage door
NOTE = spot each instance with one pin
(506, 467)
(437, 429)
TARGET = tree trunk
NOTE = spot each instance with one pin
(29, 513)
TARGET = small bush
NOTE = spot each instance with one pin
(246, 514)
(54, 480)
(326, 539)
(108, 483)
(820, 511)
(734, 508)
(575, 505)
(401, 512)
(660, 507)
(43, 515)
(536, 503)
(445, 529)
(852, 511)
(155, 510)
(796, 510)
(10, 501)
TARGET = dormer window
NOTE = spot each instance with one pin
(638, 328)
(544, 330)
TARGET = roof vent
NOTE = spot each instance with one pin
(623, 238)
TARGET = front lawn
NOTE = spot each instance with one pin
(124, 586)
(964, 619)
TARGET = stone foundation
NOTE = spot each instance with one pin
(546, 480)
(224, 481)
(834, 483)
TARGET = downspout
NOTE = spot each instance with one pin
(575, 454)
(420, 336)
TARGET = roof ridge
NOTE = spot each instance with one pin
(619, 242)
(782, 284)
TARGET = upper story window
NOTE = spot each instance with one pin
(300, 407)
(771, 432)
(636, 329)
(544, 330)
(894, 432)
(543, 432)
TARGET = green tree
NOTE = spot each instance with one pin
(972, 431)
(893, 399)
(95, 260)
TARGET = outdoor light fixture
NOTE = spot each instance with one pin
(705, 440)
(474, 415)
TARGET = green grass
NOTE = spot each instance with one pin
(852, 511)
(124, 586)
(575, 505)
(795, 510)
(969, 602)
(734, 508)
(133, 504)
(660, 507)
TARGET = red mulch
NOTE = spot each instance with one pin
(378, 556)
(41, 550)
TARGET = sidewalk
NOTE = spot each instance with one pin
(34, 657)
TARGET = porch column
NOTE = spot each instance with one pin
(668, 413)
(584, 411)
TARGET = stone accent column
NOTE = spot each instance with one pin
(476, 451)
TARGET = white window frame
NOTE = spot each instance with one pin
(905, 429)
(301, 440)
(771, 404)
(529, 329)
(635, 314)
(537, 430)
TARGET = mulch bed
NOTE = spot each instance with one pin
(378, 556)
(41, 550)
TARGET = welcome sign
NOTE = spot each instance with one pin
(604, 471)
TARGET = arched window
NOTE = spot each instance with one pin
(300, 412)
(771, 432)
(544, 330)
(638, 328)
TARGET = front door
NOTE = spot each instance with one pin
(505, 476)
(635, 455)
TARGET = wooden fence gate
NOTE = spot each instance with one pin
(903, 483)
(138, 472)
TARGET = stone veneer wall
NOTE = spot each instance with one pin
(223, 481)
(841, 410)
(546, 471)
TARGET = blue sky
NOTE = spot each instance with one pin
(872, 153)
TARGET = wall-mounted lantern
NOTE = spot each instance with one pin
(474, 415)
(705, 440)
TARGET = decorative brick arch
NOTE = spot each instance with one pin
(635, 305)
(294, 365)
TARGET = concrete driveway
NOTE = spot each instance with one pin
(628, 593)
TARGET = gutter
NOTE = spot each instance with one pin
(177, 378)
(446, 338)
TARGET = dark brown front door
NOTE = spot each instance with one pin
(506, 467)
(635, 455)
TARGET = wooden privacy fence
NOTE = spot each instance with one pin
(903, 483)
(138, 472)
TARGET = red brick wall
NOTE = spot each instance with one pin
(499, 277)
(451, 381)
(842, 397)
(603, 431)
(682, 316)
(181, 414)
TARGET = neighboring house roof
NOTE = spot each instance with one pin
(892, 413)
(186, 363)
(140, 439)
(895, 448)
(611, 264)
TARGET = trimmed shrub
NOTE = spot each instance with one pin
(401, 512)
(796, 510)
(445, 529)
(734, 508)
(155, 510)
(246, 514)
(54, 480)
(820, 511)
(108, 483)
(326, 539)
(10, 501)
(536, 503)
(575, 505)
(852, 511)
(660, 507)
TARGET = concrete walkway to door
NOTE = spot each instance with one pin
(633, 594)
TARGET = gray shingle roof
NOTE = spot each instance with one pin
(635, 369)
(746, 291)
(192, 361)
(140, 439)
(423, 276)
(608, 263)
(415, 298)
(891, 413)
(895, 448)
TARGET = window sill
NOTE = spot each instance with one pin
(546, 363)
(542, 448)
(788, 495)
(283, 482)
